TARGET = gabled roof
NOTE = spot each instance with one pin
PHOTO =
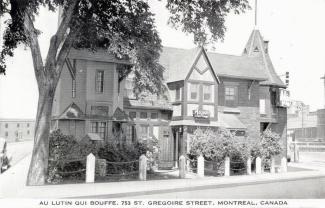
(256, 47)
(72, 112)
(178, 63)
(237, 66)
(120, 116)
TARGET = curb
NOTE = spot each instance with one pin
(196, 188)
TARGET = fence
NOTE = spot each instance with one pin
(139, 167)
(310, 146)
(232, 167)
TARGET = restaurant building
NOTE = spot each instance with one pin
(205, 90)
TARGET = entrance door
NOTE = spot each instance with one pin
(166, 148)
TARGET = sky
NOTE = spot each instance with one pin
(295, 29)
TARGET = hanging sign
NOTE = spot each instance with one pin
(201, 113)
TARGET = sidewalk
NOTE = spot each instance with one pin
(13, 182)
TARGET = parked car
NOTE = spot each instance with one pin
(4, 158)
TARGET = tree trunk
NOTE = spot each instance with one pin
(38, 167)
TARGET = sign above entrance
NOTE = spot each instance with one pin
(201, 114)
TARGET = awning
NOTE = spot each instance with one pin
(195, 123)
(231, 121)
(228, 121)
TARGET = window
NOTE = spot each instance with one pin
(18, 125)
(6, 125)
(27, 124)
(262, 106)
(207, 93)
(178, 94)
(6, 134)
(154, 116)
(99, 85)
(73, 88)
(194, 91)
(99, 110)
(230, 96)
(273, 97)
(28, 132)
(143, 115)
(130, 133)
(99, 128)
(144, 131)
(129, 89)
(132, 115)
(165, 116)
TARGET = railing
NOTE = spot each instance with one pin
(61, 163)
(140, 167)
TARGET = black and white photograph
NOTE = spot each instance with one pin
(162, 103)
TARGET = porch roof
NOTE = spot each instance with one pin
(228, 121)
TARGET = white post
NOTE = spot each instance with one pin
(200, 166)
(249, 166)
(258, 165)
(90, 168)
(143, 168)
(188, 165)
(272, 168)
(182, 166)
(227, 166)
(284, 165)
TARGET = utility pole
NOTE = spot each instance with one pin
(324, 88)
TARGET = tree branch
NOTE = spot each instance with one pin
(35, 49)
(59, 38)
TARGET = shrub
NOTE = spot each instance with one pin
(65, 148)
(216, 145)
(268, 146)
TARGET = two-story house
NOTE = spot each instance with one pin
(89, 96)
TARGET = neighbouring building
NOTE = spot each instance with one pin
(305, 125)
(205, 90)
(14, 130)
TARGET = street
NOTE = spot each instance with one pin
(19, 150)
(305, 188)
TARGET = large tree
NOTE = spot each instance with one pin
(123, 27)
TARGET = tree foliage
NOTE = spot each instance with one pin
(204, 18)
(125, 28)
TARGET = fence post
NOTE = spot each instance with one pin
(188, 165)
(143, 168)
(200, 166)
(284, 165)
(90, 168)
(227, 166)
(272, 168)
(182, 166)
(249, 166)
(258, 167)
